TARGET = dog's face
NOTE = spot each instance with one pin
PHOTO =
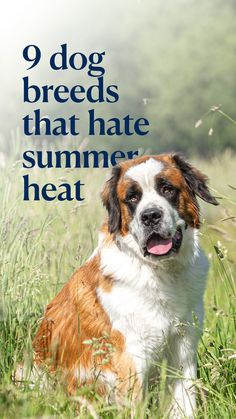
(153, 200)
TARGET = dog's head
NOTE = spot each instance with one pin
(153, 200)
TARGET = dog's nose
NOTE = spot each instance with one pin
(151, 216)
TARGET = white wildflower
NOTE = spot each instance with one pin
(198, 123)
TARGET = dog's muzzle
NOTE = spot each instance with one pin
(160, 246)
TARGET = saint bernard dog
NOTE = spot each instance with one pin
(139, 297)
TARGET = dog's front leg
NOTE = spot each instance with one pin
(185, 368)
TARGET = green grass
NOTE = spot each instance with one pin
(43, 243)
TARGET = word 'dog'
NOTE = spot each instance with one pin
(63, 60)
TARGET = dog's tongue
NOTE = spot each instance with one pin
(158, 246)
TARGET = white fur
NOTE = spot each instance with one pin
(152, 306)
(144, 173)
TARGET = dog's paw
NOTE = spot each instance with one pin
(177, 412)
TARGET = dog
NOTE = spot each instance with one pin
(139, 297)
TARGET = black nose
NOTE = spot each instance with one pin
(151, 216)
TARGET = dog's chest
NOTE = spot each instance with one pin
(146, 316)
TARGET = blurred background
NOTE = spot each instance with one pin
(173, 60)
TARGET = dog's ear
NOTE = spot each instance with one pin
(111, 202)
(196, 181)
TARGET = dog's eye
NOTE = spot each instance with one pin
(168, 190)
(133, 198)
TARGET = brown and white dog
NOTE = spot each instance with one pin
(137, 298)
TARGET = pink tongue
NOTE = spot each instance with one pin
(157, 246)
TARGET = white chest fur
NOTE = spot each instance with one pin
(148, 305)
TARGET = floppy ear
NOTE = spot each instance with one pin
(196, 180)
(111, 202)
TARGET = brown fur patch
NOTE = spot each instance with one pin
(187, 207)
(122, 188)
(75, 329)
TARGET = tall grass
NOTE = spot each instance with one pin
(42, 243)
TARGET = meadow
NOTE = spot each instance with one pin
(42, 243)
